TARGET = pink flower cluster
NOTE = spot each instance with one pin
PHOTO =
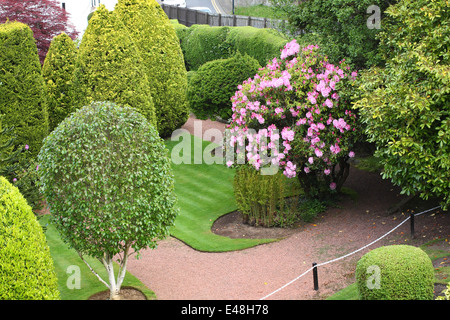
(297, 101)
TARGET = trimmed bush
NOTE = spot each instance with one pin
(261, 44)
(155, 37)
(21, 86)
(108, 66)
(212, 86)
(397, 272)
(57, 71)
(204, 43)
(26, 267)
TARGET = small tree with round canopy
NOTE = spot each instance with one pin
(107, 178)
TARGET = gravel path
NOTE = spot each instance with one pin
(175, 271)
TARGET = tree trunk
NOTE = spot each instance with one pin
(113, 288)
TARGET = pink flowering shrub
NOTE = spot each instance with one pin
(295, 114)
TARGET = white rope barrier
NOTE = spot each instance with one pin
(349, 254)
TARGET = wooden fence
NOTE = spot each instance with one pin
(188, 17)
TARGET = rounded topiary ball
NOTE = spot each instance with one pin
(212, 86)
(397, 272)
(107, 178)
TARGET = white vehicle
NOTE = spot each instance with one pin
(178, 3)
(203, 9)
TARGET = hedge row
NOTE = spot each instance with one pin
(203, 43)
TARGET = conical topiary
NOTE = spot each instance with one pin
(22, 100)
(109, 66)
(57, 71)
(162, 58)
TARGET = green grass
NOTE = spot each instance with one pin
(442, 274)
(205, 192)
(63, 258)
(260, 11)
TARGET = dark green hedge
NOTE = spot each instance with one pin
(203, 43)
(261, 44)
(215, 82)
(22, 100)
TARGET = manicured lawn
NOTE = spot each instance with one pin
(63, 258)
(205, 192)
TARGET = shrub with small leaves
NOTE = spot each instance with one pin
(108, 66)
(57, 71)
(26, 266)
(22, 100)
(212, 86)
(155, 37)
(397, 272)
(107, 178)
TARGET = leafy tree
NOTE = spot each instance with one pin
(405, 106)
(22, 100)
(106, 175)
(155, 37)
(45, 17)
(109, 66)
(57, 71)
(339, 27)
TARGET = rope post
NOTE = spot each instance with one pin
(315, 276)
(412, 225)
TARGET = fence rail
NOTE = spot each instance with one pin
(188, 17)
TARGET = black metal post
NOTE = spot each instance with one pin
(315, 276)
(412, 225)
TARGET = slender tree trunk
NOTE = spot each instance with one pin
(113, 288)
(116, 284)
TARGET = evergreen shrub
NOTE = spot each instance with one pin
(26, 266)
(22, 100)
(397, 272)
(212, 86)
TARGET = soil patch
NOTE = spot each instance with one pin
(232, 225)
(126, 293)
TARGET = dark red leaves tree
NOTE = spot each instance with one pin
(45, 17)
